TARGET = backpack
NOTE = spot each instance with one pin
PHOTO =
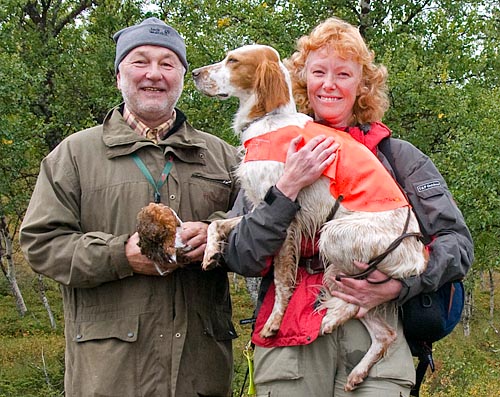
(427, 317)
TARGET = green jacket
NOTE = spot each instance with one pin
(129, 334)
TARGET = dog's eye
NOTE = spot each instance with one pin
(232, 60)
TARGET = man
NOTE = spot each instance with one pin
(130, 331)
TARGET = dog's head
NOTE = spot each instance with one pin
(252, 73)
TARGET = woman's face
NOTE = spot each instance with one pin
(332, 86)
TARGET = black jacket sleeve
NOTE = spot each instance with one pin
(260, 234)
(441, 221)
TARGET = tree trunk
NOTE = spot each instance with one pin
(7, 264)
(492, 293)
(482, 284)
(492, 299)
(364, 17)
(253, 285)
(467, 316)
(45, 301)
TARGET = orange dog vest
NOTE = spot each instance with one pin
(356, 172)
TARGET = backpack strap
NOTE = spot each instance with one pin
(423, 351)
(419, 378)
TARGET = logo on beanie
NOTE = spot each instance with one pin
(162, 31)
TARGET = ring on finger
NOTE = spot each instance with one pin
(160, 271)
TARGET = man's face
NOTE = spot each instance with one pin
(151, 80)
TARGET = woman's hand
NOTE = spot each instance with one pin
(364, 293)
(305, 165)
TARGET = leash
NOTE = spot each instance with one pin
(379, 258)
(334, 208)
(248, 353)
(163, 177)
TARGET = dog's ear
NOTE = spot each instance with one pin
(270, 87)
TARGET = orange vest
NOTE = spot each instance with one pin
(356, 173)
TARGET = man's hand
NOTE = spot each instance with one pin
(194, 235)
(364, 293)
(140, 263)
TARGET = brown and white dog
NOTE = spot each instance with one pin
(255, 75)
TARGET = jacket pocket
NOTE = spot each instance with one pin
(208, 194)
(124, 329)
(434, 207)
(221, 181)
(105, 359)
(278, 363)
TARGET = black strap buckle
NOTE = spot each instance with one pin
(308, 266)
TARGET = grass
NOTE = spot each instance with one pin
(32, 353)
(469, 366)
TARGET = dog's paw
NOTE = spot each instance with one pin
(354, 379)
(210, 260)
(269, 330)
(329, 323)
(326, 329)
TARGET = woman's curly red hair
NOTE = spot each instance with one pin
(347, 42)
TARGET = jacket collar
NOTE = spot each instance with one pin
(183, 140)
(369, 135)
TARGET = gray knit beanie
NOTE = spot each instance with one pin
(151, 31)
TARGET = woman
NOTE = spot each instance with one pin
(336, 81)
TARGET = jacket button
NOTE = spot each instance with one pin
(79, 336)
(178, 335)
(130, 334)
(172, 197)
(202, 155)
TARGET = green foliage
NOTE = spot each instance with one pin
(211, 29)
(442, 58)
(468, 366)
(32, 353)
(57, 77)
